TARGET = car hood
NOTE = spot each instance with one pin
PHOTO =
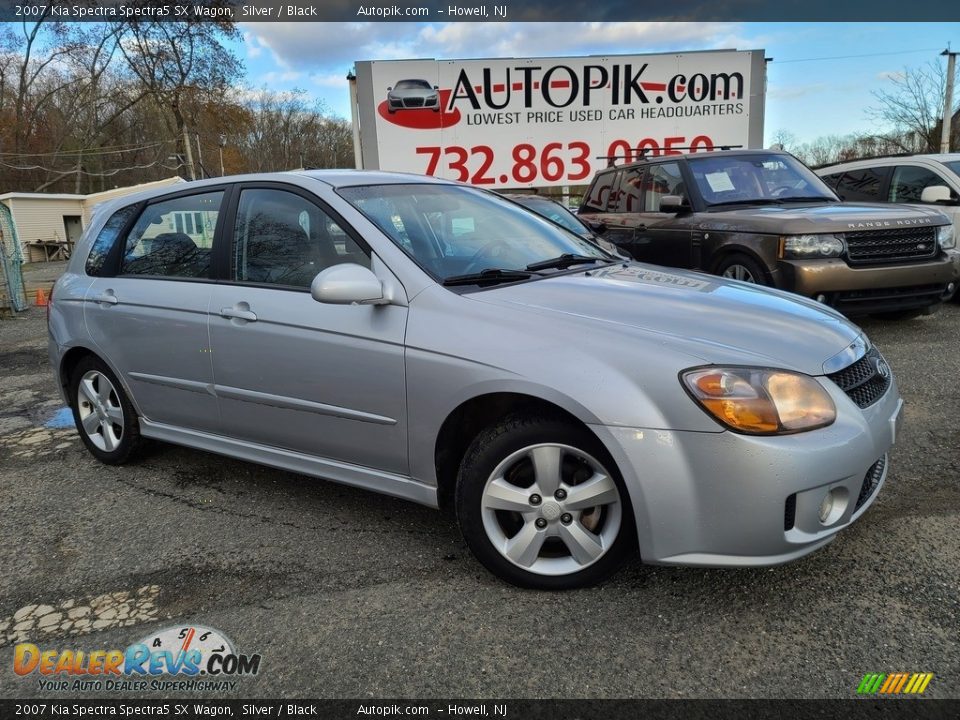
(704, 316)
(795, 219)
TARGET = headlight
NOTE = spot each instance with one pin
(759, 401)
(946, 237)
(810, 246)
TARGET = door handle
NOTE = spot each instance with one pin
(241, 311)
(107, 297)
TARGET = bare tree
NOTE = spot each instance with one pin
(912, 108)
(175, 62)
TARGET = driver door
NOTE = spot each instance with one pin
(326, 380)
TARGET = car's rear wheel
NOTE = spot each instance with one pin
(541, 505)
(103, 414)
(743, 268)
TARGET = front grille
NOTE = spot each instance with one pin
(870, 247)
(413, 102)
(870, 482)
(863, 382)
(790, 512)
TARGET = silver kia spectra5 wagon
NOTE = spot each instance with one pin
(439, 343)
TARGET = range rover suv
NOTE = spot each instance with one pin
(763, 217)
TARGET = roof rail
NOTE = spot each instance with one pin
(870, 157)
(641, 154)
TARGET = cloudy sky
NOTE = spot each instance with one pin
(819, 83)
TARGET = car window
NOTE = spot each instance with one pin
(451, 230)
(862, 185)
(281, 238)
(629, 193)
(173, 238)
(909, 181)
(598, 196)
(662, 179)
(832, 180)
(106, 239)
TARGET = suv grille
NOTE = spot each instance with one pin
(870, 481)
(883, 246)
(863, 381)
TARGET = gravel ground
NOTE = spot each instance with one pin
(349, 594)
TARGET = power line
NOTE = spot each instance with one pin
(849, 57)
(106, 150)
(75, 171)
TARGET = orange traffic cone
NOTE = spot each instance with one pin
(41, 298)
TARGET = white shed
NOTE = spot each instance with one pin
(48, 225)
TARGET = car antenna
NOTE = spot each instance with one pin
(642, 153)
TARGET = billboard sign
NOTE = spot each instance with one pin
(540, 122)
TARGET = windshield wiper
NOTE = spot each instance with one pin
(808, 198)
(488, 277)
(755, 201)
(564, 261)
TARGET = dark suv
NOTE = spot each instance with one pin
(762, 216)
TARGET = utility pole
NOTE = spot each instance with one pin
(189, 153)
(948, 101)
(223, 141)
(199, 154)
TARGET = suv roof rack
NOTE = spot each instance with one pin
(870, 157)
(641, 155)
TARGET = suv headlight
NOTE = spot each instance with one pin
(946, 237)
(758, 401)
(810, 246)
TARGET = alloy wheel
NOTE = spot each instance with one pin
(551, 509)
(101, 416)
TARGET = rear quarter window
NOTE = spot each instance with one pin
(97, 260)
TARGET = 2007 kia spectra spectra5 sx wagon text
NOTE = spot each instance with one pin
(435, 342)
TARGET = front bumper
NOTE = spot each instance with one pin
(720, 499)
(871, 289)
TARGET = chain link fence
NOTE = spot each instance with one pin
(12, 295)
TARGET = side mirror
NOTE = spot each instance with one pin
(935, 194)
(436, 87)
(598, 226)
(347, 284)
(389, 89)
(673, 204)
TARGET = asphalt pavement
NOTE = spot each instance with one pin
(345, 593)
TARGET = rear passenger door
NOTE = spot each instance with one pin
(146, 309)
(324, 380)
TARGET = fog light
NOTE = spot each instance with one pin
(826, 507)
(833, 505)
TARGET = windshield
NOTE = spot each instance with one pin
(557, 213)
(451, 230)
(413, 85)
(764, 178)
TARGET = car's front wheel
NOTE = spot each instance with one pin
(743, 268)
(541, 504)
(103, 414)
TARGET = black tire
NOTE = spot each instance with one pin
(758, 274)
(129, 440)
(493, 446)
